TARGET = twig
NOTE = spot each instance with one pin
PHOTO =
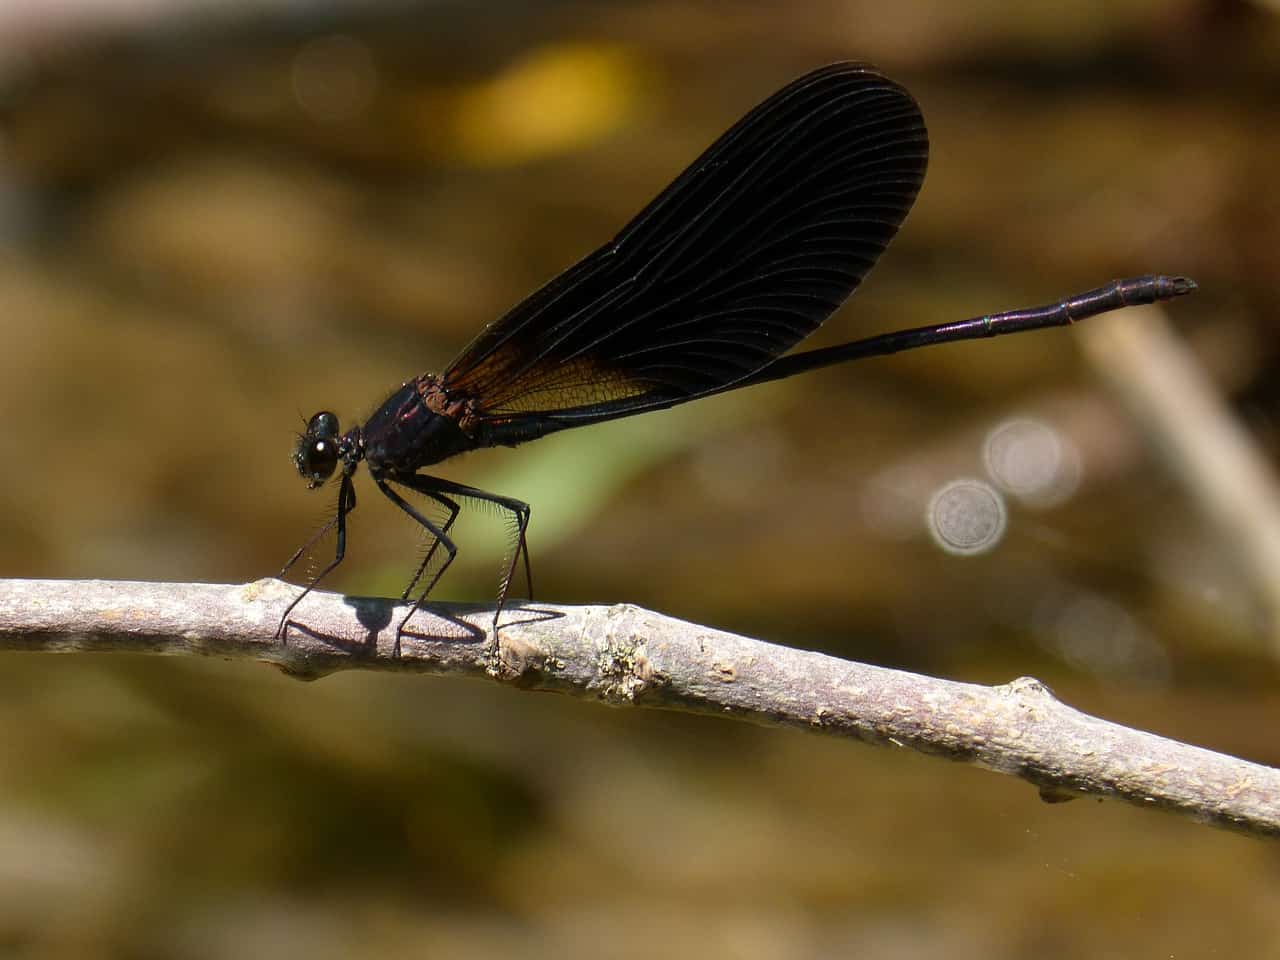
(623, 655)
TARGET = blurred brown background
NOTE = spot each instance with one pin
(215, 217)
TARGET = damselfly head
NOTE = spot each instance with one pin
(318, 450)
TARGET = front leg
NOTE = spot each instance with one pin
(346, 503)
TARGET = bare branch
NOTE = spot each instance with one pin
(623, 655)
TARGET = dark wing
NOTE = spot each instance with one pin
(738, 260)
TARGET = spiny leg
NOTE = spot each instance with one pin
(518, 508)
(441, 536)
(454, 509)
(310, 542)
(346, 503)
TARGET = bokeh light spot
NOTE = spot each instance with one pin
(967, 517)
(1033, 461)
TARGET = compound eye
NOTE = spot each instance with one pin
(318, 451)
(323, 424)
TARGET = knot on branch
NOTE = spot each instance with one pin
(1027, 687)
(622, 666)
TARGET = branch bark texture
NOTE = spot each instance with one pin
(624, 655)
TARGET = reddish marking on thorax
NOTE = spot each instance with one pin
(437, 400)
